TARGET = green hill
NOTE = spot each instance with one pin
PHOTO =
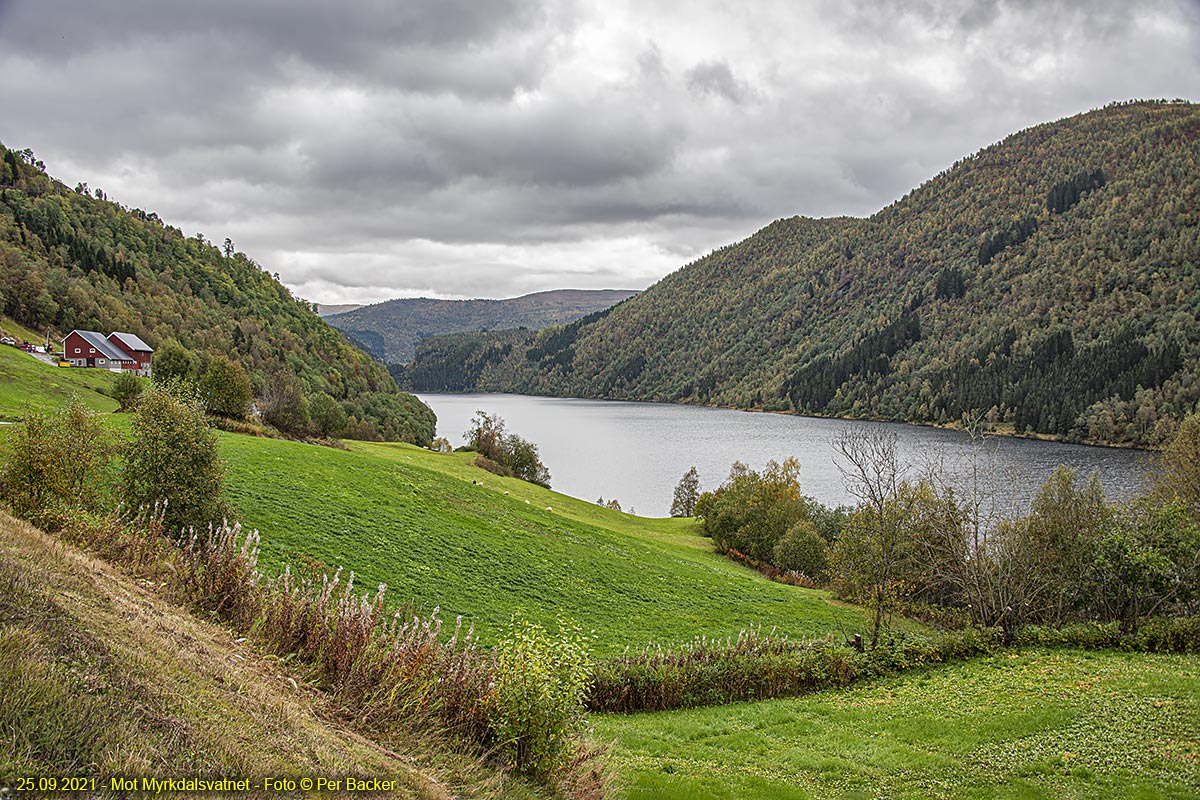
(26, 382)
(1050, 281)
(74, 259)
(392, 330)
(441, 532)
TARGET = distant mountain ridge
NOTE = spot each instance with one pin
(328, 310)
(391, 330)
(1050, 283)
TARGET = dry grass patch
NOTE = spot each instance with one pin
(101, 677)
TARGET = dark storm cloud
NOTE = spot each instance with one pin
(370, 149)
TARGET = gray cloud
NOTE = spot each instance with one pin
(716, 78)
(369, 150)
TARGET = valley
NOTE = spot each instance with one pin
(912, 636)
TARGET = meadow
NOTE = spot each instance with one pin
(1025, 724)
(441, 532)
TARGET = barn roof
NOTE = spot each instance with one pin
(102, 345)
(132, 341)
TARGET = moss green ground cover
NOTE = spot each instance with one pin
(1028, 724)
(414, 520)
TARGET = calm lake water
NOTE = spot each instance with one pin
(636, 452)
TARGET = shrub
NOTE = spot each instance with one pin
(1158, 635)
(1173, 635)
(1178, 476)
(521, 456)
(126, 389)
(758, 666)
(537, 706)
(56, 459)
(485, 463)
(172, 458)
(284, 404)
(802, 550)
(173, 362)
(713, 671)
(751, 511)
(518, 456)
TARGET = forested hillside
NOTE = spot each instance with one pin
(393, 329)
(75, 259)
(1050, 282)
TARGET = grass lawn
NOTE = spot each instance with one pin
(415, 520)
(1027, 724)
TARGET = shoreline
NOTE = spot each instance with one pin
(950, 426)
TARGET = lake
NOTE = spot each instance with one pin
(636, 452)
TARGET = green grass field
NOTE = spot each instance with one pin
(414, 520)
(27, 382)
(1029, 724)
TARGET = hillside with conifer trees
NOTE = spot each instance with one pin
(1050, 283)
(76, 259)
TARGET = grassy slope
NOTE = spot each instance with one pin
(24, 380)
(101, 677)
(413, 519)
(1034, 724)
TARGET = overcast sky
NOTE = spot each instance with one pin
(366, 150)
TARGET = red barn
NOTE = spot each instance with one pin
(131, 345)
(91, 349)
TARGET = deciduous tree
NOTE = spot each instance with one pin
(225, 389)
(172, 458)
(687, 492)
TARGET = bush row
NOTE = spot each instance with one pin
(760, 666)
(1156, 635)
(756, 666)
